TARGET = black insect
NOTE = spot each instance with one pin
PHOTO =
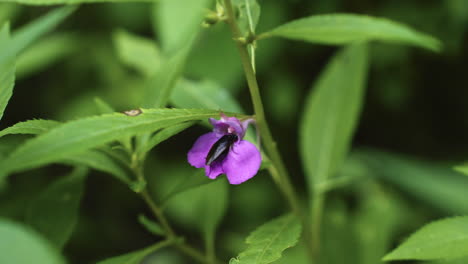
(220, 149)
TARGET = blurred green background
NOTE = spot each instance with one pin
(413, 128)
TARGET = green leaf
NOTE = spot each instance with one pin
(447, 238)
(203, 94)
(186, 183)
(54, 213)
(21, 245)
(178, 21)
(45, 52)
(26, 35)
(462, 169)
(7, 70)
(103, 107)
(137, 52)
(79, 135)
(268, 241)
(69, 2)
(151, 226)
(331, 114)
(33, 127)
(338, 29)
(135, 257)
(165, 134)
(248, 15)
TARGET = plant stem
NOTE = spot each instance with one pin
(318, 200)
(279, 172)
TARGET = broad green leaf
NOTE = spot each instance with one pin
(26, 35)
(137, 52)
(68, 2)
(21, 245)
(447, 238)
(151, 226)
(161, 83)
(338, 29)
(7, 70)
(186, 183)
(178, 21)
(45, 52)
(164, 134)
(135, 257)
(99, 161)
(331, 113)
(54, 213)
(443, 188)
(203, 94)
(79, 135)
(268, 241)
(34, 127)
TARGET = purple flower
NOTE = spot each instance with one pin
(225, 151)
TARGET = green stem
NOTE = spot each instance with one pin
(280, 174)
(318, 200)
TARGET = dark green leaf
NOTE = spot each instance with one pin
(7, 70)
(331, 113)
(338, 29)
(447, 238)
(268, 241)
(34, 127)
(164, 134)
(151, 226)
(21, 245)
(68, 2)
(135, 257)
(54, 213)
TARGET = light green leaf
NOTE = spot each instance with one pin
(268, 241)
(21, 245)
(34, 127)
(203, 94)
(151, 226)
(462, 168)
(7, 70)
(137, 52)
(26, 35)
(135, 257)
(178, 21)
(248, 15)
(45, 52)
(68, 2)
(164, 134)
(54, 213)
(103, 107)
(79, 135)
(338, 29)
(331, 114)
(447, 238)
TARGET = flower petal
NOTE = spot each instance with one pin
(228, 125)
(197, 154)
(214, 170)
(242, 162)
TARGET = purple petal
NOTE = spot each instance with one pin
(214, 170)
(228, 125)
(197, 154)
(242, 162)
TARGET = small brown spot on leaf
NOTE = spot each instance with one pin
(133, 112)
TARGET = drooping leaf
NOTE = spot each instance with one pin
(189, 182)
(178, 21)
(26, 35)
(331, 114)
(151, 226)
(137, 52)
(54, 213)
(79, 135)
(135, 257)
(447, 238)
(338, 29)
(34, 127)
(164, 134)
(268, 241)
(45, 52)
(21, 245)
(7, 70)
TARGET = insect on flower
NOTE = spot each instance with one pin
(225, 151)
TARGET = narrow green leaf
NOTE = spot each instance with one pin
(447, 238)
(21, 245)
(178, 21)
(268, 241)
(165, 134)
(151, 226)
(190, 181)
(26, 35)
(331, 113)
(103, 107)
(54, 213)
(45, 52)
(79, 135)
(135, 257)
(69, 2)
(338, 29)
(7, 70)
(33, 127)
(248, 15)
(203, 94)
(137, 52)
